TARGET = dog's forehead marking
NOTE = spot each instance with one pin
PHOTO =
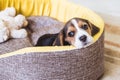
(79, 30)
(74, 22)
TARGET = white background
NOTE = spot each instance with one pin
(109, 10)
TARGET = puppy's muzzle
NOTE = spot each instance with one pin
(83, 38)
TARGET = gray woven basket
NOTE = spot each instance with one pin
(78, 64)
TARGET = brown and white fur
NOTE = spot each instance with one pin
(77, 32)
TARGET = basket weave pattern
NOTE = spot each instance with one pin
(78, 64)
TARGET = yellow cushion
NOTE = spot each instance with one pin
(62, 10)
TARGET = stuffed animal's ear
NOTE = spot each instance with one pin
(94, 29)
(59, 39)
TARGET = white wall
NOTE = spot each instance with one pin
(109, 10)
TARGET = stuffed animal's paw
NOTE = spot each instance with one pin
(22, 33)
(4, 34)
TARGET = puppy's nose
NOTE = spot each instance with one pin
(83, 38)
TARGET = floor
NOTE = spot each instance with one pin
(112, 54)
(112, 72)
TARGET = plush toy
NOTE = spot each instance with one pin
(11, 25)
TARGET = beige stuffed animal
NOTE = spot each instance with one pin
(11, 25)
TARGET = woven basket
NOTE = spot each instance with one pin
(83, 64)
(54, 63)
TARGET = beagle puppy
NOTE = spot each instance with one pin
(77, 32)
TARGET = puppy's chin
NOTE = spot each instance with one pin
(80, 44)
(87, 44)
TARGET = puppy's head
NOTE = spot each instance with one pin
(77, 32)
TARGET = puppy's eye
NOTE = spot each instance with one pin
(71, 34)
(85, 27)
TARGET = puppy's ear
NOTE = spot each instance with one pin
(59, 39)
(94, 29)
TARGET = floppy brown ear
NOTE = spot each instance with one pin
(94, 29)
(59, 39)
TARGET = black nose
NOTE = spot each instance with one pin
(83, 38)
